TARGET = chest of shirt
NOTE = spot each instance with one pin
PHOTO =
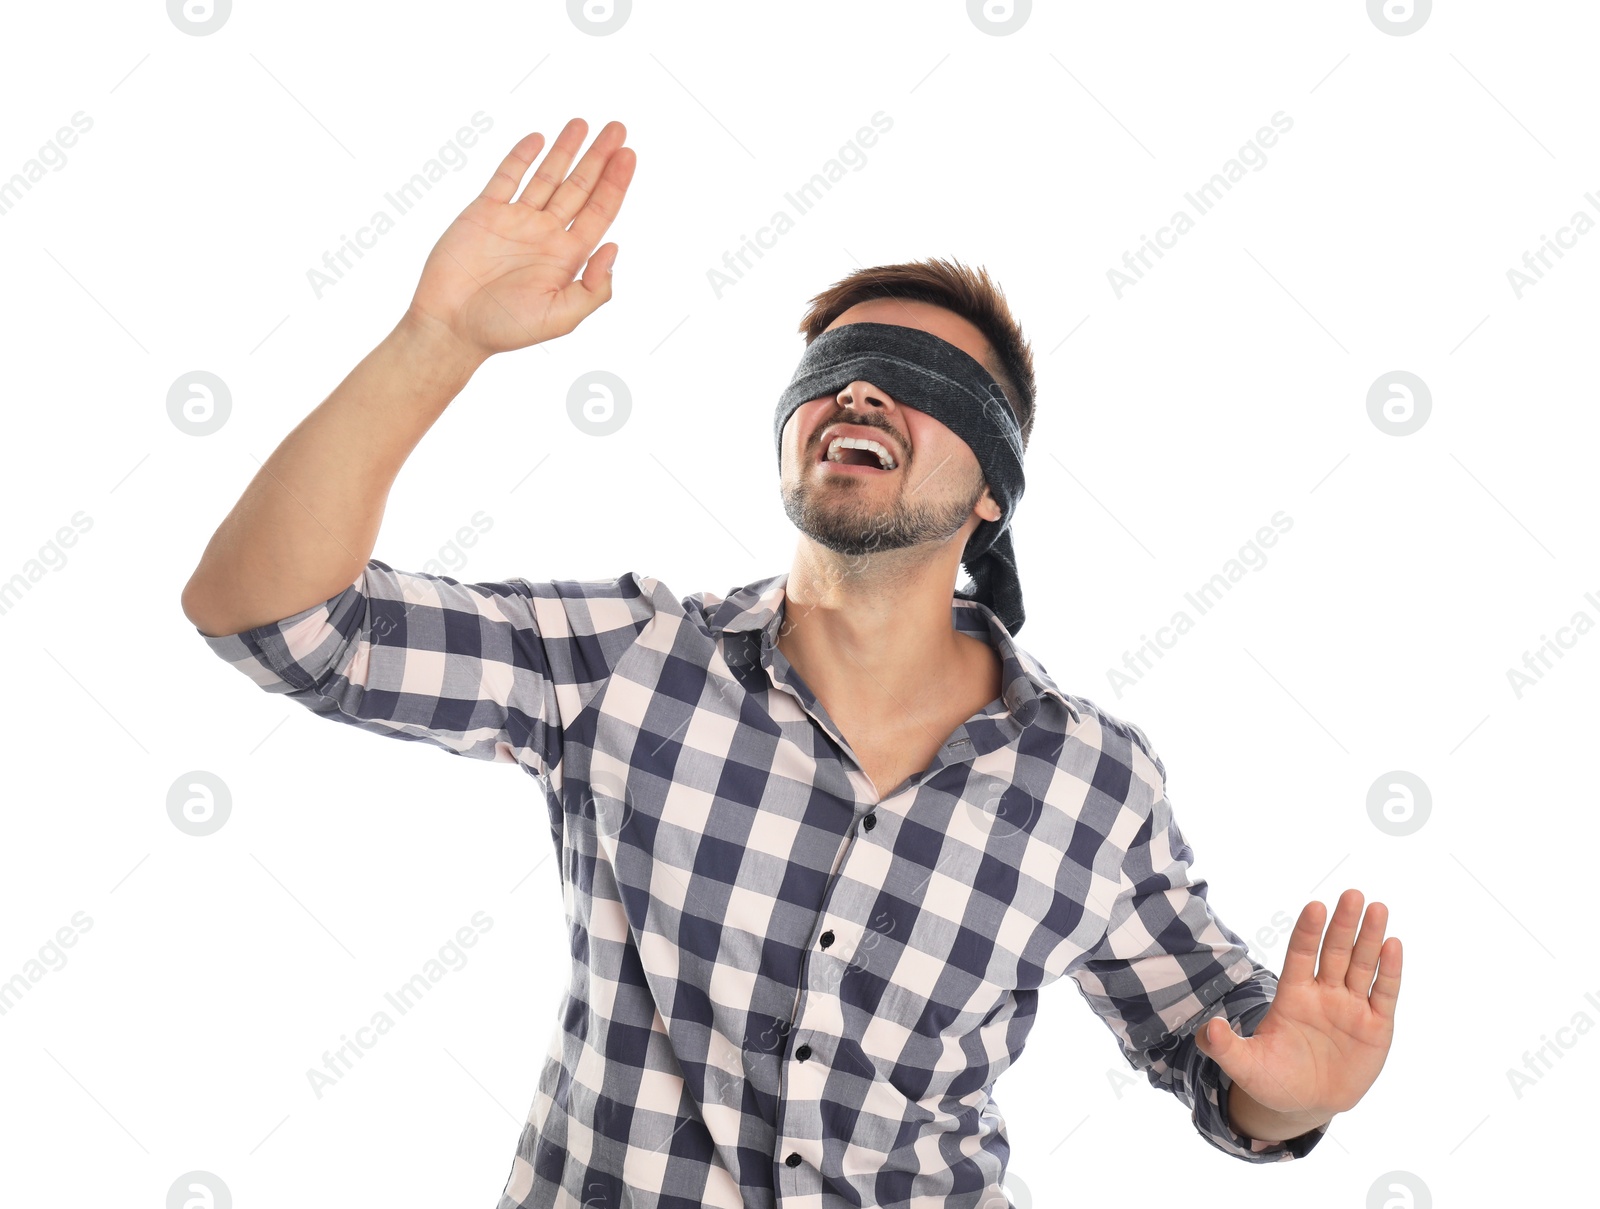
(731, 819)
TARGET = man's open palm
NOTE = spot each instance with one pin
(504, 275)
(1324, 1039)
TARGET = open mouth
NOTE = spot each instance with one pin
(858, 455)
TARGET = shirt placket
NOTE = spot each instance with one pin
(816, 1019)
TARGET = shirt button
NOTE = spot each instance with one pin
(803, 1052)
(870, 822)
(792, 1161)
(827, 938)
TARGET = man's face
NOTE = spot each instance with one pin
(936, 490)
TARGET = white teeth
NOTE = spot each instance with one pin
(885, 458)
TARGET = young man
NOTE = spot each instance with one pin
(823, 840)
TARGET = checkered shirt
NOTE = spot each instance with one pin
(785, 989)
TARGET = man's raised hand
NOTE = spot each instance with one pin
(504, 275)
(1325, 1037)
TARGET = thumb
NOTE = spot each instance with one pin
(579, 299)
(1218, 1041)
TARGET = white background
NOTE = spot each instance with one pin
(1227, 385)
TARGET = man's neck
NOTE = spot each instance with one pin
(876, 640)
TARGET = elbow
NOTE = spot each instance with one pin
(195, 607)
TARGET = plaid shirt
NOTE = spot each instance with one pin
(786, 990)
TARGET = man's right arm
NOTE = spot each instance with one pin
(503, 276)
(307, 523)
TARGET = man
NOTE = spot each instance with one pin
(823, 840)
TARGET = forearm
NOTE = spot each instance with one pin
(1249, 1117)
(306, 525)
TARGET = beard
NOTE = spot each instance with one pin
(840, 518)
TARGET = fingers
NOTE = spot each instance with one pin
(575, 190)
(1364, 957)
(508, 176)
(605, 171)
(1337, 944)
(549, 173)
(1386, 990)
(1300, 960)
(597, 216)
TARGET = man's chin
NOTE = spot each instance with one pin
(849, 540)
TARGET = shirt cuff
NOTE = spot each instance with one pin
(1259, 1151)
(291, 654)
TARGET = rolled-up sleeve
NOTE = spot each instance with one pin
(483, 670)
(1166, 965)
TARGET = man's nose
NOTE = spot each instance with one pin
(863, 396)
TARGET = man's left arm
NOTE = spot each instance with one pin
(1294, 1051)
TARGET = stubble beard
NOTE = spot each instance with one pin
(841, 519)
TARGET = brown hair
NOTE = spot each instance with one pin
(968, 292)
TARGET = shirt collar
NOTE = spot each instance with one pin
(758, 607)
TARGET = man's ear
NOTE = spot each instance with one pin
(988, 507)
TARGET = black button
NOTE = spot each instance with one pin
(870, 822)
(803, 1052)
(792, 1161)
(827, 939)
